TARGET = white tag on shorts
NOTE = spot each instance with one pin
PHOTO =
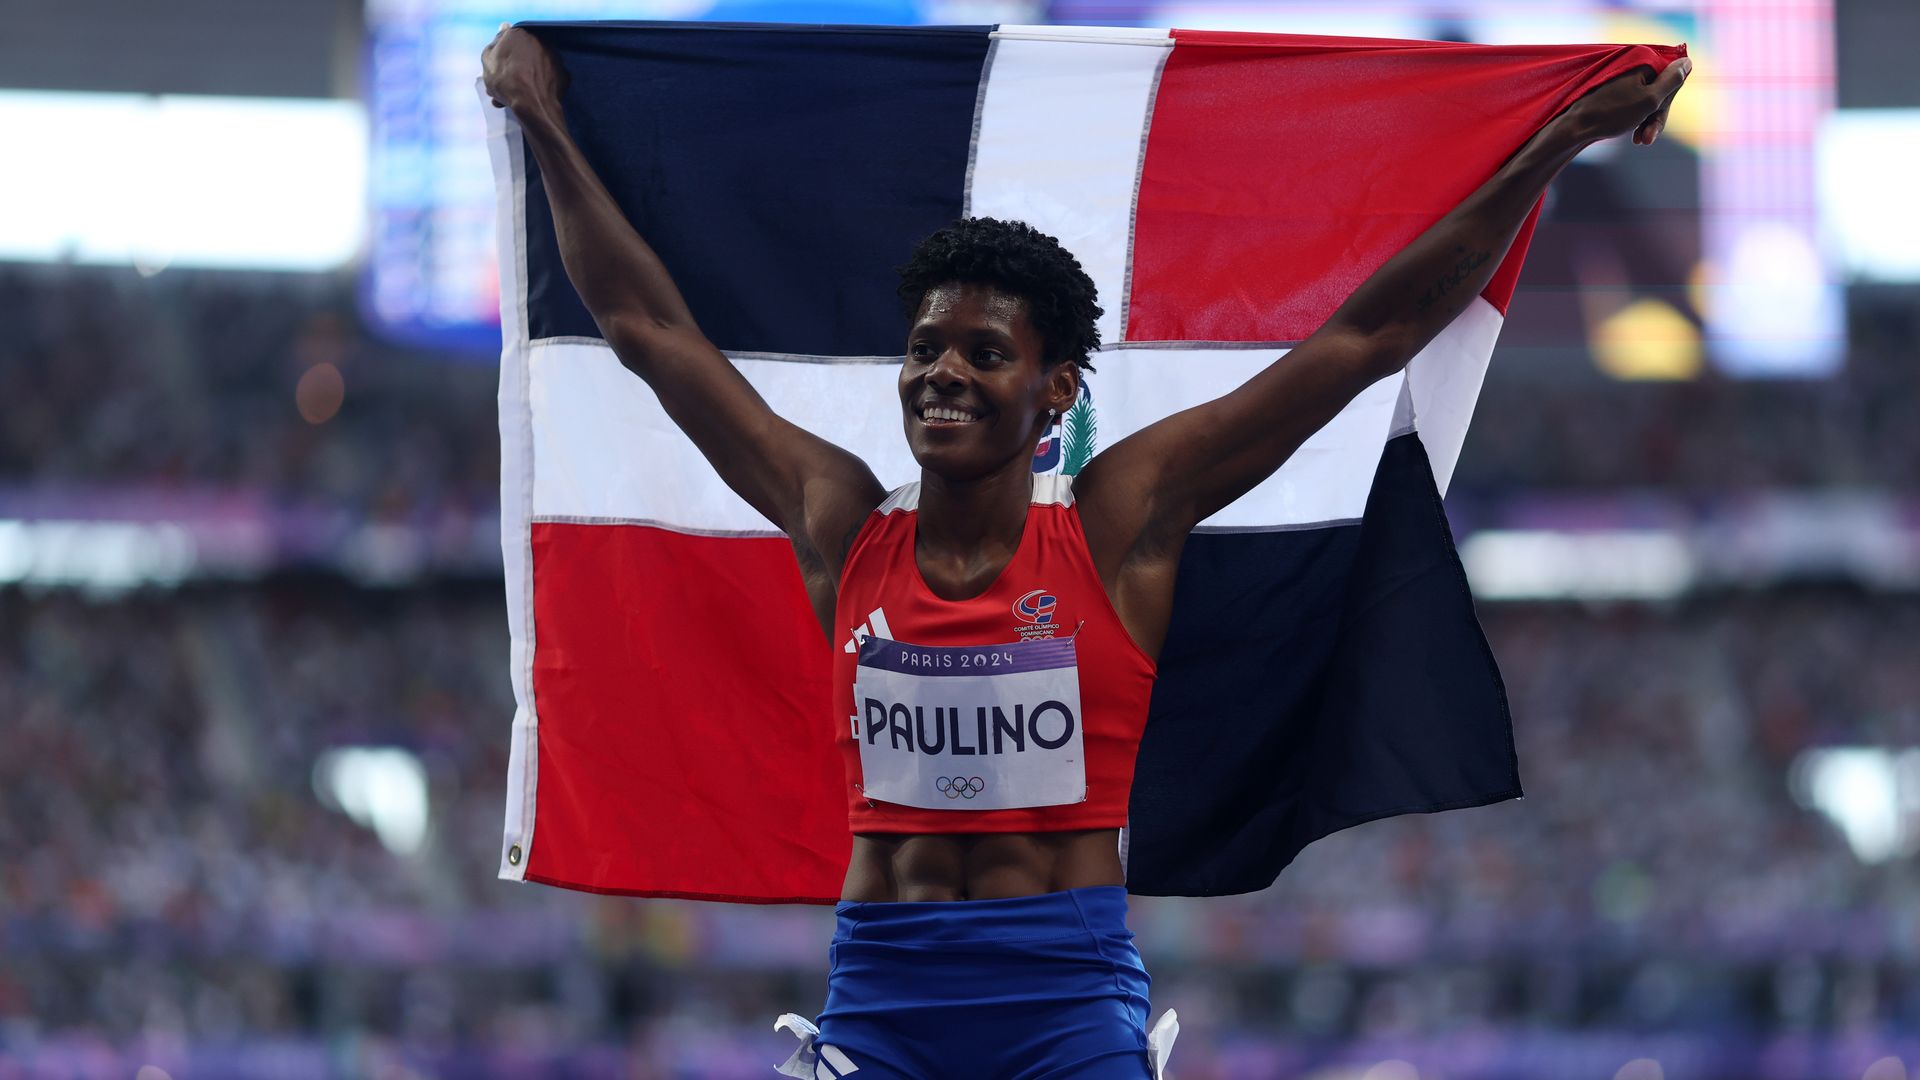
(1160, 1042)
(805, 1058)
(976, 727)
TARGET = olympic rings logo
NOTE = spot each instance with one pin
(959, 787)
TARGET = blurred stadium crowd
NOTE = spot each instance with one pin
(195, 379)
(1711, 436)
(176, 888)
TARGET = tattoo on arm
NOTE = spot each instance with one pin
(1469, 261)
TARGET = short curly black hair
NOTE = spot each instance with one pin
(1016, 258)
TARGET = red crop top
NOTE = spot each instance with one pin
(1019, 710)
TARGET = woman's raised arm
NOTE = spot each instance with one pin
(814, 491)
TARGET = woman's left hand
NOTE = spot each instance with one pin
(1637, 101)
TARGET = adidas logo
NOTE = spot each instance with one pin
(877, 620)
(832, 1064)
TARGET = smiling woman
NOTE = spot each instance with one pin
(976, 367)
(982, 919)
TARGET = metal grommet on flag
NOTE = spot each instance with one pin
(513, 855)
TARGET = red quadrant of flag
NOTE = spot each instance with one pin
(1241, 235)
(660, 653)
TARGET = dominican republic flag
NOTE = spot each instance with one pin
(1225, 191)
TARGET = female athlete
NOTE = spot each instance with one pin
(982, 930)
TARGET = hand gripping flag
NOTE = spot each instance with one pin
(1225, 191)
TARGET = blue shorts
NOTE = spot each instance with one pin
(1018, 989)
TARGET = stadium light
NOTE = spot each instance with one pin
(383, 788)
(178, 180)
(1539, 564)
(1870, 793)
(95, 556)
(1868, 159)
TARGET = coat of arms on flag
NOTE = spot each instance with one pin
(1073, 441)
(1225, 192)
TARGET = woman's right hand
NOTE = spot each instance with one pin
(519, 73)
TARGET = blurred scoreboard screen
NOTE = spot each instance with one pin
(431, 277)
(1702, 252)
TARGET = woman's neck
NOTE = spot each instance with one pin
(974, 517)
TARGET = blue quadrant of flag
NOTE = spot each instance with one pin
(782, 228)
(1313, 680)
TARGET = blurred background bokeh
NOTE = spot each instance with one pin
(254, 703)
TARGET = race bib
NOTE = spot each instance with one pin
(979, 727)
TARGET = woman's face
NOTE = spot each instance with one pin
(974, 391)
